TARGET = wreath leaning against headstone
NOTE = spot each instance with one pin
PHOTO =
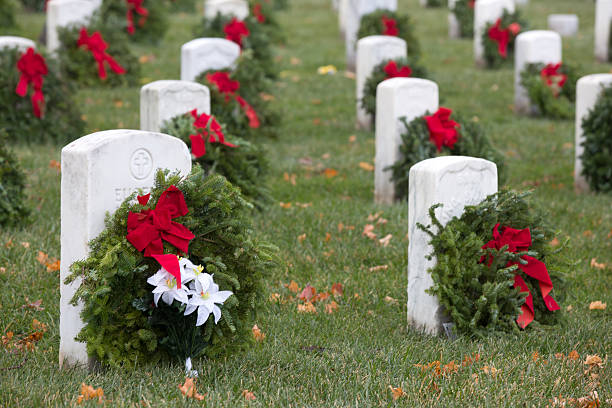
(387, 22)
(551, 89)
(597, 144)
(498, 38)
(433, 135)
(185, 281)
(143, 21)
(464, 13)
(36, 103)
(13, 209)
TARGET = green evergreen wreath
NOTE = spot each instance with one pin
(184, 6)
(33, 5)
(279, 4)
(79, 65)
(13, 209)
(121, 327)
(61, 121)
(245, 166)
(371, 24)
(542, 96)
(480, 299)
(114, 14)
(465, 16)
(597, 155)
(491, 54)
(258, 41)
(368, 102)
(254, 86)
(270, 24)
(416, 146)
(8, 9)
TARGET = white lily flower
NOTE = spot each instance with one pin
(166, 287)
(205, 298)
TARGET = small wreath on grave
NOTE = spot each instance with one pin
(13, 209)
(144, 21)
(36, 104)
(263, 13)
(387, 22)
(464, 12)
(597, 144)
(433, 135)
(498, 38)
(249, 34)
(97, 55)
(240, 99)
(551, 89)
(202, 303)
(390, 68)
(495, 267)
(242, 163)
(8, 9)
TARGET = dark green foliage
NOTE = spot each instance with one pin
(270, 24)
(479, 298)
(416, 146)
(253, 84)
(258, 40)
(491, 54)
(61, 121)
(368, 102)
(12, 185)
(182, 5)
(542, 96)
(280, 4)
(78, 63)
(33, 5)
(244, 166)
(113, 14)
(597, 155)
(118, 328)
(436, 3)
(8, 9)
(371, 24)
(465, 16)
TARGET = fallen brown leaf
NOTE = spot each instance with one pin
(366, 166)
(88, 393)
(598, 305)
(34, 305)
(301, 238)
(337, 289)
(258, 335)
(188, 389)
(379, 268)
(397, 393)
(285, 205)
(331, 307)
(367, 231)
(248, 395)
(385, 241)
(54, 164)
(329, 173)
(307, 308)
(596, 265)
(308, 293)
(293, 286)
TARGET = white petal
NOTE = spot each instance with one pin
(202, 316)
(181, 296)
(168, 298)
(156, 297)
(161, 289)
(217, 313)
(221, 296)
(190, 309)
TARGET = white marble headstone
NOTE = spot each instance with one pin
(371, 51)
(61, 13)
(485, 12)
(342, 10)
(603, 19)
(98, 172)
(22, 44)
(397, 98)
(355, 10)
(454, 182)
(454, 29)
(238, 8)
(588, 89)
(533, 47)
(163, 100)
(564, 24)
(203, 54)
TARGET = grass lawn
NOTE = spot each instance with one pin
(352, 356)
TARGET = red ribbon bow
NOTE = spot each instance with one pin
(520, 241)
(258, 13)
(442, 130)
(147, 228)
(32, 67)
(210, 130)
(235, 30)
(389, 26)
(471, 3)
(229, 87)
(392, 71)
(502, 36)
(135, 6)
(97, 46)
(553, 78)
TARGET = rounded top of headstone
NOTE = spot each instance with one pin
(21, 43)
(402, 82)
(217, 42)
(595, 79)
(374, 40)
(452, 163)
(95, 141)
(563, 16)
(173, 83)
(538, 35)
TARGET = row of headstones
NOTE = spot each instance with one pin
(61, 13)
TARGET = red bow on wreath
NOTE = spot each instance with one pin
(520, 241)
(97, 46)
(32, 67)
(442, 130)
(235, 30)
(135, 6)
(502, 36)
(389, 26)
(392, 71)
(471, 3)
(553, 78)
(148, 228)
(209, 129)
(258, 13)
(228, 87)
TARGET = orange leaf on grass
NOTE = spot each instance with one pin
(327, 237)
(368, 231)
(258, 335)
(54, 164)
(307, 308)
(555, 242)
(337, 289)
(397, 393)
(308, 293)
(188, 389)
(34, 305)
(331, 307)
(598, 305)
(301, 238)
(379, 268)
(248, 395)
(274, 297)
(330, 173)
(385, 241)
(366, 166)
(573, 355)
(89, 393)
(596, 265)
(293, 286)
(285, 205)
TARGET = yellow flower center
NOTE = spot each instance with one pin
(171, 283)
(199, 269)
(205, 295)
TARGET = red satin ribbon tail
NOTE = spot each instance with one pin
(38, 99)
(22, 86)
(249, 112)
(527, 312)
(198, 147)
(171, 264)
